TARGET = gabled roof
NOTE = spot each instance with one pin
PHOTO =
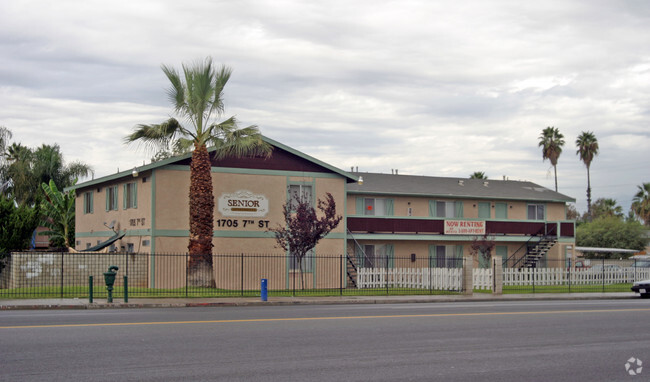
(181, 158)
(429, 186)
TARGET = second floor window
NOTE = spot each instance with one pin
(111, 198)
(442, 209)
(130, 195)
(299, 193)
(88, 202)
(536, 212)
(375, 206)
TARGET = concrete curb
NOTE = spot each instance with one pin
(184, 303)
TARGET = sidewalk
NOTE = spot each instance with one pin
(256, 301)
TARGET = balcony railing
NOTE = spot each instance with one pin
(436, 226)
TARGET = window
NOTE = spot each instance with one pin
(111, 198)
(299, 192)
(441, 209)
(502, 251)
(446, 256)
(501, 210)
(130, 195)
(536, 212)
(88, 202)
(130, 248)
(484, 210)
(375, 207)
(375, 256)
(307, 262)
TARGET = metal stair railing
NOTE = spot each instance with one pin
(351, 260)
(544, 236)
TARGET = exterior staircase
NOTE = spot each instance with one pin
(351, 270)
(537, 251)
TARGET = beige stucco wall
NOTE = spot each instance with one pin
(516, 210)
(91, 225)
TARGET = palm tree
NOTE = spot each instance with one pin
(641, 203)
(28, 169)
(478, 175)
(551, 142)
(58, 214)
(606, 207)
(197, 97)
(587, 149)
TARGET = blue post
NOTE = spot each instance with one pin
(264, 289)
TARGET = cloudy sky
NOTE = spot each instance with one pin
(441, 88)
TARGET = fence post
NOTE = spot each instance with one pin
(62, 254)
(241, 278)
(603, 266)
(468, 276)
(341, 278)
(569, 275)
(90, 289)
(126, 288)
(386, 274)
(497, 276)
(533, 275)
(187, 270)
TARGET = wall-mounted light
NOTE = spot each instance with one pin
(134, 173)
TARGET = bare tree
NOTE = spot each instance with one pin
(303, 227)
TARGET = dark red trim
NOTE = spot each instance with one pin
(436, 226)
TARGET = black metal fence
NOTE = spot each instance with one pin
(81, 275)
(569, 276)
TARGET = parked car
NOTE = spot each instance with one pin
(642, 288)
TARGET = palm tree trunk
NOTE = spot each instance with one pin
(555, 168)
(588, 195)
(201, 219)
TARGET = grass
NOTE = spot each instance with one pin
(574, 288)
(81, 292)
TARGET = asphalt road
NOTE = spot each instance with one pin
(486, 341)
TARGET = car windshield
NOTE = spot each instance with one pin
(642, 264)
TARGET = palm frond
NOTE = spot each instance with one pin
(238, 142)
(176, 92)
(157, 136)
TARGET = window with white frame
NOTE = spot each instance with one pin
(111, 198)
(442, 209)
(377, 206)
(130, 195)
(536, 212)
(300, 193)
(88, 202)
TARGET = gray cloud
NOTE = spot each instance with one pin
(433, 88)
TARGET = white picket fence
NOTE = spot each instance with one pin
(415, 278)
(482, 278)
(560, 276)
(452, 278)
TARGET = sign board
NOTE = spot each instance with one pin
(464, 227)
(243, 203)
